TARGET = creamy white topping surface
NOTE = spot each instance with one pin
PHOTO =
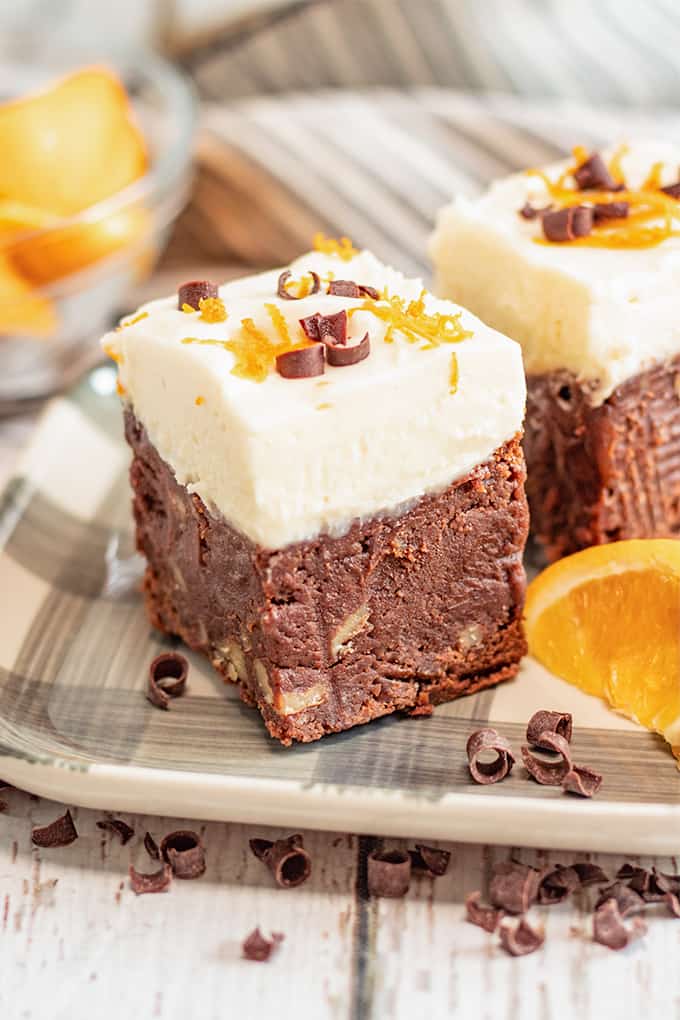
(604, 314)
(286, 459)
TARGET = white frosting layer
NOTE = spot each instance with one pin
(284, 460)
(604, 314)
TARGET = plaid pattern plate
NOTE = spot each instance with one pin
(75, 724)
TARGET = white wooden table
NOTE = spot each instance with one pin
(75, 942)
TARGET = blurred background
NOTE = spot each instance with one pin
(251, 124)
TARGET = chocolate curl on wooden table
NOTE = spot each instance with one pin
(389, 873)
(548, 773)
(156, 882)
(486, 740)
(167, 678)
(557, 885)
(609, 929)
(184, 852)
(256, 947)
(124, 831)
(60, 832)
(582, 781)
(287, 859)
(429, 860)
(627, 900)
(487, 918)
(545, 721)
(514, 886)
(195, 291)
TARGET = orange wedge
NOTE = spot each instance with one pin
(22, 311)
(607, 619)
(71, 145)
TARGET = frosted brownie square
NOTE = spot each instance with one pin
(580, 262)
(329, 488)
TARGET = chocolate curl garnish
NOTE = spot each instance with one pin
(594, 175)
(627, 900)
(548, 773)
(151, 847)
(287, 859)
(389, 873)
(530, 212)
(652, 886)
(340, 357)
(582, 781)
(344, 288)
(195, 291)
(487, 918)
(482, 741)
(522, 938)
(557, 885)
(184, 852)
(514, 886)
(672, 190)
(310, 326)
(609, 929)
(660, 884)
(304, 363)
(610, 211)
(589, 874)
(60, 832)
(256, 947)
(371, 292)
(548, 722)
(333, 328)
(430, 860)
(167, 678)
(124, 831)
(567, 224)
(154, 883)
(673, 904)
(286, 275)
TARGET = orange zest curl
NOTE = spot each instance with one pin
(254, 351)
(212, 310)
(132, 322)
(453, 374)
(120, 389)
(279, 323)
(112, 353)
(414, 322)
(199, 401)
(342, 247)
(188, 309)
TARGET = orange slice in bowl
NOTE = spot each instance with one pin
(71, 145)
(22, 311)
(607, 619)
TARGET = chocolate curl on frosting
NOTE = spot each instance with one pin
(303, 363)
(594, 175)
(350, 355)
(285, 277)
(287, 859)
(482, 741)
(567, 224)
(195, 291)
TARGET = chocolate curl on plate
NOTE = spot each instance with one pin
(672, 190)
(339, 357)
(567, 224)
(603, 211)
(548, 773)
(256, 947)
(583, 781)
(167, 678)
(557, 885)
(589, 874)
(157, 882)
(521, 938)
(484, 741)
(304, 363)
(285, 277)
(60, 832)
(389, 873)
(151, 847)
(627, 900)
(124, 831)
(184, 852)
(487, 918)
(594, 175)
(544, 721)
(609, 929)
(429, 860)
(514, 886)
(287, 859)
(195, 291)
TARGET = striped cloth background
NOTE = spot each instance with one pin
(602, 51)
(375, 164)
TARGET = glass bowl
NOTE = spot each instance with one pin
(83, 304)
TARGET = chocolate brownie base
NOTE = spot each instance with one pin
(600, 474)
(397, 614)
